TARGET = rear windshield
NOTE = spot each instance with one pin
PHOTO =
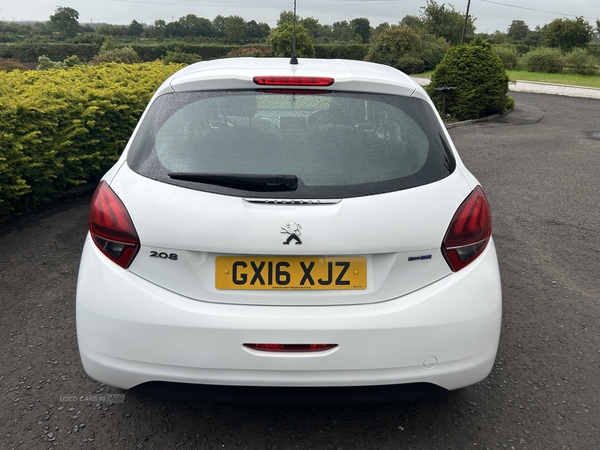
(337, 144)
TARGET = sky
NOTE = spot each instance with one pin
(490, 15)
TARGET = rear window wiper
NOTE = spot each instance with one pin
(249, 182)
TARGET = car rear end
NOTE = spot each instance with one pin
(282, 226)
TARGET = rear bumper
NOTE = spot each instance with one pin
(207, 393)
(132, 332)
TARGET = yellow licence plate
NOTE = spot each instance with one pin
(293, 272)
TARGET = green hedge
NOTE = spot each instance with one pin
(593, 49)
(63, 128)
(337, 51)
(29, 53)
(10, 38)
(544, 59)
(508, 55)
(206, 52)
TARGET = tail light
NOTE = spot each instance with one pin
(291, 347)
(469, 231)
(111, 227)
(293, 81)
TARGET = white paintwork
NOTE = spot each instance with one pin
(164, 320)
(237, 73)
(387, 229)
(131, 331)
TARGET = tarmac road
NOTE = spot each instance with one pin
(540, 167)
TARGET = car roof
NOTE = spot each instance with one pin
(238, 73)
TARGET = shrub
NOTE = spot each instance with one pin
(510, 102)
(60, 129)
(342, 51)
(479, 80)
(179, 57)
(593, 49)
(433, 51)
(410, 65)
(45, 63)
(256, 52)
(71, 61)
(544, 59)
(4, 39)
(508, 55)
(125, 55)
(11, 64)
(407, 49)
(581, 62)
(395, 44)
(521, 49)
(204, 51)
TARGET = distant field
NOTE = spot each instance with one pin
(554, 78)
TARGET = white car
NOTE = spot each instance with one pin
(284, 231)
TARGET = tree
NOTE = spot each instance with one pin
(175, 29)
(313, 27)
(236, 30)
(409, 49)
(16, 28)
(310, 24)
(412, 21)
(204, 27)
(257, 31)
(219, 26)
(400, 47)
(108, 44)
(65, 21)
(380, 29)
(158, 29)
(518, 30)
(341, 31)
(135, 28)
(534, 38)
(111, 30)
(197, 26)
(87, 28)
(287, 16)
(446, 22)
(362, 27)
(567, 34)
(281, 39)
(497, 37)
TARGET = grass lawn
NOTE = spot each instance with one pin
(554, 78)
